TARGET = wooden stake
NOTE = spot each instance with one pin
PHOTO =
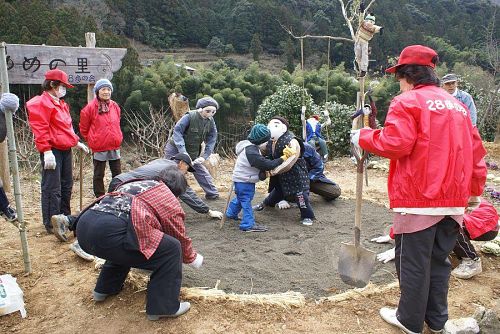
(20, 224)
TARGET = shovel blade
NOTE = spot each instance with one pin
(356, 265)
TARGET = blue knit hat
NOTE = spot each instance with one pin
(101, 83)
(259, 134)
(207, 101)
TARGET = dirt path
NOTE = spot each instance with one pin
(57, 293)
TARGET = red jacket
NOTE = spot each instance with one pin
(482, 220)
(101, 131)
(51, 123)
(436, 154)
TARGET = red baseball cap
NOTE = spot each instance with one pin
(58, 75)
(415, 55)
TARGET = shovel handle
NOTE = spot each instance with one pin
(223, 220)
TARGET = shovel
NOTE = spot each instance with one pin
(355, 262)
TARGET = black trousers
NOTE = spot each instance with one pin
(99, 170)
(113, 239)
(424, 270)
(464, 248)
(57, 185)
(302, 199)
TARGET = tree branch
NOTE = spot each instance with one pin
(290, 32)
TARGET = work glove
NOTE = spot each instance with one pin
(387, 256)
(199, 160)
(282, 205)
(49, 160)
(326, 113)
(303, 114)
(198, 261)
(355, 138)
(288, 152)
(83, 147)
(473, 204)
(215, 214)
(9, 102)
(382, 239)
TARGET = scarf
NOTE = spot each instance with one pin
(103, 106)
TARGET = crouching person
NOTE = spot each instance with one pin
(249, 164)
(141, 225)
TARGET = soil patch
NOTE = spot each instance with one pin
(289, 256)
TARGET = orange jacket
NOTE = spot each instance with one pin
(51, 123)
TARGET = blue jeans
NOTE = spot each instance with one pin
(243, 200)
(323, 148)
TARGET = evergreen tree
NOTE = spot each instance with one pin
(256, 47)
(216, 46)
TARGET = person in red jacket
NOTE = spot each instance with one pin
(436, 171)
(100, 127)
(52, 127)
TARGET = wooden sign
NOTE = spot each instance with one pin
(27, 64)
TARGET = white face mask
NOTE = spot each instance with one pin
(61, 91)
(208, 112)
(277, 129)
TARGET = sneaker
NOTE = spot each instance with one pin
(183, 308)
(75, 247)
(255, 228)
(9, 213)
(99, 297)
(60, 224)
(212, 197)
(468, 268)
(258, 207)
(389, 316)
(307, 221)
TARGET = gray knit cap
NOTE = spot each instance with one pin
(207, 101)
(101, 83)
(10, 102)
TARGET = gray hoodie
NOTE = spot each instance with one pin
(250, 162)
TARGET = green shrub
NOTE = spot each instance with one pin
(287, 102)
(338, 133)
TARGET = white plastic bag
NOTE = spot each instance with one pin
(11, 296)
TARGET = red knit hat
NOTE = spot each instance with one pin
(415, 55)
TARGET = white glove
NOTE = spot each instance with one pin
(49, 160)
(9, 102)
(197, 262)
(199, 160)
(326, 113)
(382, 239)
(355, 137)
(367, 110)
(215, 214)
(303, 114)
(82, 147)
(387, 256)
(282, 205)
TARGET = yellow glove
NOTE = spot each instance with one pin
(288, 152)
